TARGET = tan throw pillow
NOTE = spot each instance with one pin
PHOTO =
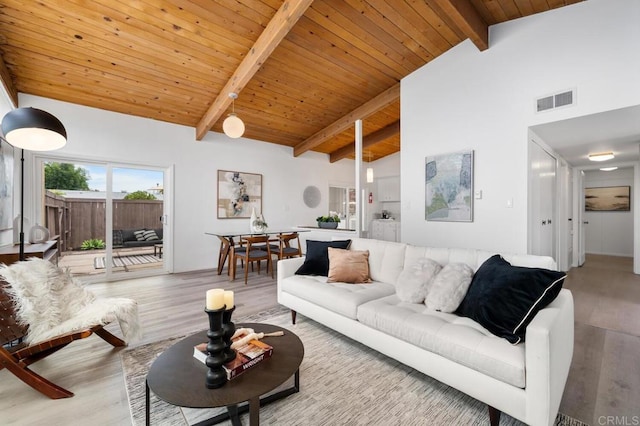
(348, 266)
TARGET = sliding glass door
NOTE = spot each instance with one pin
(108, 220)
(137, 219)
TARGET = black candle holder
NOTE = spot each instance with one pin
(216, 376)
(228, 329)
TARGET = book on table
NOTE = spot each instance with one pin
(247, 356)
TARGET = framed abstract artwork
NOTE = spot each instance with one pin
(607, 199)
(238, 194)
(6, 186)
(449, 187)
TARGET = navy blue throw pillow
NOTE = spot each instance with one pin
(316, 261)
(504, 298)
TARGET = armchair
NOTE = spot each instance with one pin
(42, 310)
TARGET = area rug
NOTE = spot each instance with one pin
(130, 260)
(342, 382)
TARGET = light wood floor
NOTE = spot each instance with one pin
(604, 380)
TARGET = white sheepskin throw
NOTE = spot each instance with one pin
(449, 287)
(414, 280)
(52, 303)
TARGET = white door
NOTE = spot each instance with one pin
(582, 223)
(565, 217)
(542, 172)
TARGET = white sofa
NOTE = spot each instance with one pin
(525, 380)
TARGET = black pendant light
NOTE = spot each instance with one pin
(34, 130)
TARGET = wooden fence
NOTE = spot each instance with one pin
(75, 220)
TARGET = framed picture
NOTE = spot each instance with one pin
(6, 186)
(607, 199)
(449, 187)
(238, 194)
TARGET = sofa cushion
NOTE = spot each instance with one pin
(414, 280)
(128, 235)
(448, 288)
(150, 235)
(348, 266)
(473, 257)
(456, 338)
(316, 259)
(340, 298)
(386, 259)
(117, 238)
(139, 234)
(505, 298)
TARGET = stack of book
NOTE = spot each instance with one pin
(247, 356)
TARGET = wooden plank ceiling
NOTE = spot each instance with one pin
(303, 69)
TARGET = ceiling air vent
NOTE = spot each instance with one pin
(555, 101)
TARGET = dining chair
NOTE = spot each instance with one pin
(255, 249)
(285, 249)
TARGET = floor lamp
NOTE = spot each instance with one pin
(34, 130)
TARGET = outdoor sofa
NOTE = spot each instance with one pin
(139, 237)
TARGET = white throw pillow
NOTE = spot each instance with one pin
(449, 287)
(414, 280)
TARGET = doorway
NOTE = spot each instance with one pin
(108, 219)
(610, 231)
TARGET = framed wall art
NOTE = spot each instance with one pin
(238, 194)
(6, 186)
(449, 187)
(607, 199)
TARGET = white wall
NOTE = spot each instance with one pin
(609, 232)
(384, 167)
(6, 236)
(98, 134)
(484, 101)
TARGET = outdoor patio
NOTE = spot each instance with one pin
(83, 263)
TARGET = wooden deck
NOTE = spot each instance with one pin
(81, 263)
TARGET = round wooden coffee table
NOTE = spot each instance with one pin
(178, 378)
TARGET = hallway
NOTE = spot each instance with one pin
(604, 381)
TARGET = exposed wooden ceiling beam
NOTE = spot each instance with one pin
(282, 22)
(369, 140)
(463, 15)
(7, 82)
(363, 111)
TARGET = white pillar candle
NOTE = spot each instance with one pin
(228, 299)
(215, 298)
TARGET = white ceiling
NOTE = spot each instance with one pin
(617, 131)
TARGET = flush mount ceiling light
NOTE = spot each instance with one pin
(603, 156)
(233, 125)
(608, 169)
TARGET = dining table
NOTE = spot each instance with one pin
(228, 241)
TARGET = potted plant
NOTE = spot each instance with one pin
(92, 244)
(330, 221)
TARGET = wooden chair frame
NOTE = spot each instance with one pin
(285, 250)
(16, 356)
(256, 249)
